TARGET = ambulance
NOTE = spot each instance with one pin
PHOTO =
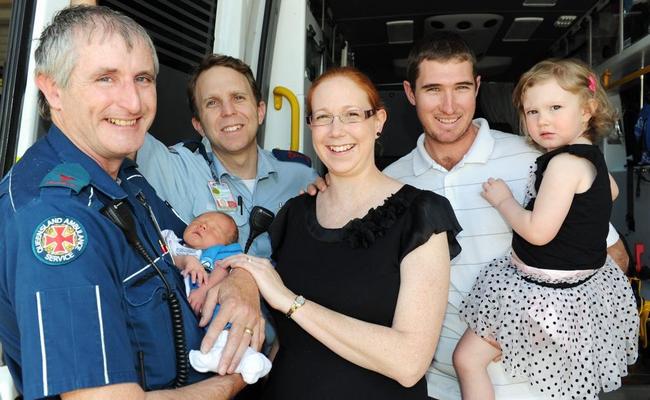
(288, 43)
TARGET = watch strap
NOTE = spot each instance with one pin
(297, 303)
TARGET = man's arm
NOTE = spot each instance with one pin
(197, 296)
(215, 388)
(167, 172)
(240, 305)
(618, 253)
(616, 248)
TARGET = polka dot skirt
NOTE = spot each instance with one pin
(569, 343)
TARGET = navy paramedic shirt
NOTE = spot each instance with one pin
(78, 306)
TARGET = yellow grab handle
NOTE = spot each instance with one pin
(278, 93)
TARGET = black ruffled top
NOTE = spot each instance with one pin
(428, 213)
(362, 232)
(354, 270)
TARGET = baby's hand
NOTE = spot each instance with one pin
(197, 298)
(195, 271)
(496, 191)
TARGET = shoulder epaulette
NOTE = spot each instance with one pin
(197, 145)
(130, 167)
(70, 175)
(292, 156)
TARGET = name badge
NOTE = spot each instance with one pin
(222, 196)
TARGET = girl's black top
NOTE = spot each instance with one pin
(581, 241)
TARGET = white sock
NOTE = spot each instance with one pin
(252, 366)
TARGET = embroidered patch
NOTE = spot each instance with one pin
(70, 175)
(58, 240)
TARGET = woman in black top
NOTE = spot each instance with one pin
(362, 269)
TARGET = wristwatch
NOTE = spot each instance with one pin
(297, 303)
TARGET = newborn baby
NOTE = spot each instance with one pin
(210, 237)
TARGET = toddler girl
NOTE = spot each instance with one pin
(557, 311)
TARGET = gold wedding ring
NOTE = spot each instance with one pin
(249, 331)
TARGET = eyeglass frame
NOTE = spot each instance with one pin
(366, 114)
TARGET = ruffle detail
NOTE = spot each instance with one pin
(362, 232)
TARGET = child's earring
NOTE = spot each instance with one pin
(377, 135)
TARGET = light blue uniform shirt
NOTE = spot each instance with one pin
(181, 177)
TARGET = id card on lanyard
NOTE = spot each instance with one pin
(222, 196)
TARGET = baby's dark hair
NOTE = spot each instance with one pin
(233, 236)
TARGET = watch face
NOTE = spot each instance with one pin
(300, 300)
(297, 303)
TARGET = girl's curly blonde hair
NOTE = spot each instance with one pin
(573, 76)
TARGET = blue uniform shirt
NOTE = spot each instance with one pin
(79, 307)
(181, 177)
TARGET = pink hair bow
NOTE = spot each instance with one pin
(592, 83)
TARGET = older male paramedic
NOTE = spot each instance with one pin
(90, 303)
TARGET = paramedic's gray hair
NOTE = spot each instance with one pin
(56, 53)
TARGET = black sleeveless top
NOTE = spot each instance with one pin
(354, 270)
(581, 241)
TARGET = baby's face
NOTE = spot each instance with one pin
(209, 229)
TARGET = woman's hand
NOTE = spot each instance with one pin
(268, 280)
(496, 191)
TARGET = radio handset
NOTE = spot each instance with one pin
(259, 221)
(118, 212)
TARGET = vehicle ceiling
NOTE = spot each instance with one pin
(363, 23)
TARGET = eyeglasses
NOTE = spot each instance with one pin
(352, 116)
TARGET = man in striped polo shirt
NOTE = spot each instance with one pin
(453, 157)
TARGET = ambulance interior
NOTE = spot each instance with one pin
(376, 36)
(613, 36)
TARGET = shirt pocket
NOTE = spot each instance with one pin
(199, 207)
(151, 326)
(241, 219)
(143, 288)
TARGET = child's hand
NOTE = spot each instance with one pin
(195, 271)
(197, 298)
(496, 191)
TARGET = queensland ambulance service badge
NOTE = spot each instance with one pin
(58, 240)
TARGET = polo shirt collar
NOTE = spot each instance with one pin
(483, 145)
(265, 165)
(422, 161)
(68, 152)
(478, 153)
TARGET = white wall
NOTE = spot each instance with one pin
(45, 10)
(289, 70)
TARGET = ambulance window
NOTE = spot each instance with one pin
(183, 32)
(5, 14)
(15, 30)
